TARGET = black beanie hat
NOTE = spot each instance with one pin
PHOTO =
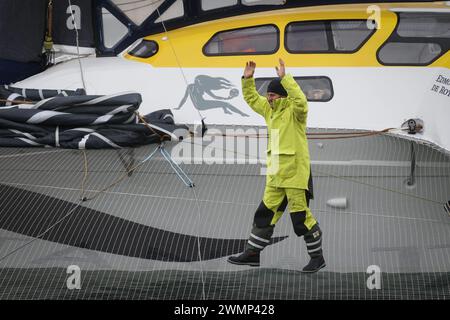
(275, 86)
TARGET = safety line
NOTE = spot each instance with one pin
(78, 46)
(176, 58)
(201, 118)
(128, 194)
(329, 174)
(378, 187)
(333, 135)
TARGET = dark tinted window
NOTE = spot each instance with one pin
(215, 4)
(304, 37)
(145, 49)
(407, 52)
(261, 39)
(327, 36)
(427, 25)
(349, 35)
(315, 88)
(419, 39)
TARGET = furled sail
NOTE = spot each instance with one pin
(70, 119)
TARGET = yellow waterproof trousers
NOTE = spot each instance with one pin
(276, 199)
(271, 209)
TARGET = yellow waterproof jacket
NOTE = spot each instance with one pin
(288, 164)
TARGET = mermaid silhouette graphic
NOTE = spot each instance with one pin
(206, 85)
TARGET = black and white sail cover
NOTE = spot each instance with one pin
(71, 119)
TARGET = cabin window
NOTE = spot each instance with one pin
(262, 2)
(419, 39)
(176, 10)
(411, 53)
(327, 36)
(307, 37)
(139, 11)
(253, 40)
(145, 49)
(318, 88)
(428, 25)
(350, 35)
(216, 4)
(113, 29)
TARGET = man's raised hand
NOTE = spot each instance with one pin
(249, 70)
(281, 71)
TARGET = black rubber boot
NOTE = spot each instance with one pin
(314, 265)
(248, 257)
(313, 240)
(258, 240)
